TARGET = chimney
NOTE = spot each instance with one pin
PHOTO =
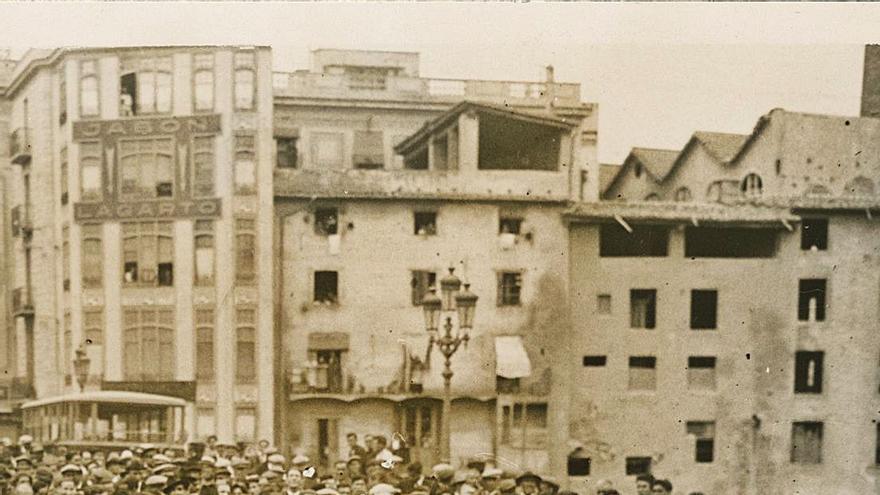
(871, 82)
(549, 69)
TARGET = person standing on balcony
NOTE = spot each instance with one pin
(353, 448)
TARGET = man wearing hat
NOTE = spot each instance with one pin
(444, 475)
(490, 478)
(72, 472)
(154, 484)
(178, 486)
(358, 485)
(528, 483)
(294, 482)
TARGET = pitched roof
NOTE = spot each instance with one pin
(721, 145)
(680, 212)
(607, 173)
(541, 118)
(657, 162)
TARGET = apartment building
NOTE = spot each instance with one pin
(139, 191)
(383, 181)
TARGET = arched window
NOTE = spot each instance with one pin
(683, 194)
(713, 192)
(652, 197)
(751, 185)
(860, 186)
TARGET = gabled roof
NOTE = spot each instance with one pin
(722, 146)
(656, 163)
(451, 115)
(607, 173)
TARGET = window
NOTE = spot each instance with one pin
(92, 256)
(67, 352)
(704, 309)
(245, 423)
(808, 372)
(245, 164)
(93, 326)
(146, 168)
(204, 323)
(683, 195)
(326, 221)
(203, 82)
(286, 152)
(806, 442)
(148, 349)
(638, 465)
(729, 242)
(524, 425)
(506, 385)
(642, 308)
(65, 256)
(145, 86)
(204, 252)
(811, 299)
(644, 240)
(578, 466)
(877, 446)
(326, 287)
(814, 234)
(245, 251)
(62, 97)
(329, 374)
(642, 373)
(203, 166)
(245, 81)
(701, 372)
(88, 89)
(422, 282)
(425, 223)
(603, 304)
(509, 225)
(245, 345)
(148, 253)
(63, 173)
(595, 361)
(751, 185)
(509, 288)
(637, 171)
(368, 150)
(90, 170)
(327, 149)
(704, 434)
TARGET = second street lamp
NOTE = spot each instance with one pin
(465, 304)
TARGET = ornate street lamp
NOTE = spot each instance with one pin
(81, 367)
(465, 304)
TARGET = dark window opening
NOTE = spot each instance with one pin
(595, 360)
(326, 287)
(326, 221)
(733, 242)
(128, 94)
(877, 447)
(638, 170)
(645, 362)
(130, 271)
(704, 431)
(508, 144)
(814, 234)
(645, 240)
(638, 465)
(643, 308)
(603, 304)
(703, 362)
(330, 365)
(64, 198)
(704, 309)
(368, 150)
(806, 442)
(164, 189)
(166, 274)
(509, 288)
(425, 223)
(808, 372)
(811, 299)
(417, 160)
(286, 154)
(578, 466)
(778, 167)
(506, 385)
(509, 225)
(422, 282)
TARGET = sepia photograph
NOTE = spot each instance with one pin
(439, 249)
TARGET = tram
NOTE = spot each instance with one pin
(106, 420)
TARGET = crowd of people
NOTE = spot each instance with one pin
(212, 468)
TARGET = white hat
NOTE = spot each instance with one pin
(276, 459)
(222, 463)
(164, 467)
(300, 459)
(327, 491)
(383, 489)
(126, 454)
(25, 439)
(156, 479)
(71, 468)
(161, 458)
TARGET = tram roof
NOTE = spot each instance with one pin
(109, 396)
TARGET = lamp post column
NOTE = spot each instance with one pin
(445, 416)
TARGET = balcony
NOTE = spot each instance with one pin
(22, 305)
(21, 222)
(20, 146)
(304, 84)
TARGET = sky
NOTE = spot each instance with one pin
(659, 72)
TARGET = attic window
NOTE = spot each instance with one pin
(638, 170)
(751, 185)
